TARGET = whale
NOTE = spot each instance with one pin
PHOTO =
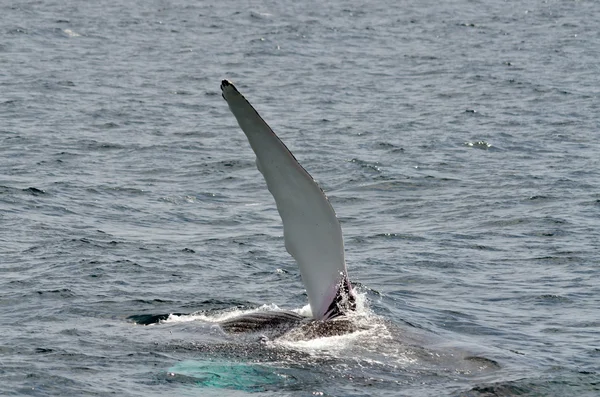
(311, 230)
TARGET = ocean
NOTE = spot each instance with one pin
(457, 141)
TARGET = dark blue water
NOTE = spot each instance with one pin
(457, 141)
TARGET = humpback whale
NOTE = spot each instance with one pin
(311, 230)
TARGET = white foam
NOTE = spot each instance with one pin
(304, 311)
(371, 327)
(70, 33)
(327, 344)
(371, 330)
(216, 317)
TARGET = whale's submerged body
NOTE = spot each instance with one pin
(354, 348)
(312, 232)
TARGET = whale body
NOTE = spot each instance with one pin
(311, 230)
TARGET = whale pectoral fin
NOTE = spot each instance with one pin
(312, 233)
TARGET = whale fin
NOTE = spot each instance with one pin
(312, 233)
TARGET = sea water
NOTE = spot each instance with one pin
(457, 142)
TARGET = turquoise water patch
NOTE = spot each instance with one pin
(230, 375)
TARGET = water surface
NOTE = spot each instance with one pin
(458, 143)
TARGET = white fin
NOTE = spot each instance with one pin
(311, 230)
